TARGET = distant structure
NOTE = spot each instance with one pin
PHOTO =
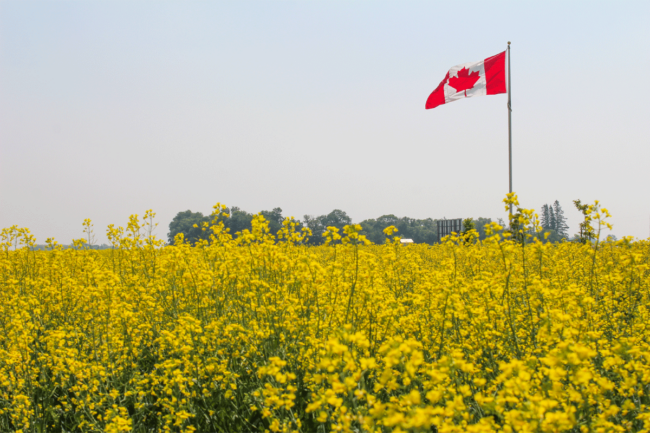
(446, 227)
(406, 241)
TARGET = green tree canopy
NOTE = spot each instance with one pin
(275, 219)
(553, 222)
(318, 224)
(238, 221)
(420, 230)
(184, 222)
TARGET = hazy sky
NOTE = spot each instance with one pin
(110, 108)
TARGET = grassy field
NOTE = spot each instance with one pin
(254, 333)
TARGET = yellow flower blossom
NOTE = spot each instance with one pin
(256, 332)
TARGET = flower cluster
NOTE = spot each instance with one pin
(255, 332)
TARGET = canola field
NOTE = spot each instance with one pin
(254, 333)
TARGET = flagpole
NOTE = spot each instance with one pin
(509, 128)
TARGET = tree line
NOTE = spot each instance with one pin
(192, 225)
(553, 221)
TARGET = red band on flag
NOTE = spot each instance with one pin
(437, 97)
(471, 79)
(495, 74)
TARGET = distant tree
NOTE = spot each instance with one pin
(546, 217)
(315, 224)
(318, 224)
(552, 225)
(337, 218)
(372, 231)
(421, 231)
(275, 219)
(561, 226)
(388, 220)
(238, 221)
(185, 222)
(479, 225)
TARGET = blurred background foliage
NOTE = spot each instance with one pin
(423, 231)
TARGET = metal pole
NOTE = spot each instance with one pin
(509, 127)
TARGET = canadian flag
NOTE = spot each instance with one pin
(487, 77)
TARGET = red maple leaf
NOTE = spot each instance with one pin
(464, 80)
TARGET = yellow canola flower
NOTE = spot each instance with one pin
(256, 332)
(388, 231)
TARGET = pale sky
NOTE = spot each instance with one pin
(110, 108)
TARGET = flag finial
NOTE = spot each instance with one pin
(508, 42)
